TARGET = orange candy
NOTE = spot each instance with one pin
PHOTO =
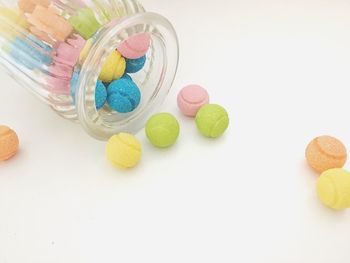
(8, 143)
(326, 152)
(29, 5)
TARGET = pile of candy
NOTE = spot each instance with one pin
(163, 129)
(57, 42)
(327, 156)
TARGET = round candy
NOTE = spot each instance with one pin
(123, 150)
(212, 120)
(325, 152)
(100, 95)
(113, 68)
(135, 65)
(136, 46)
(333, 188)
(126, 76)
(191, 98)
(162, 130)
(123, 95)
(8, 143)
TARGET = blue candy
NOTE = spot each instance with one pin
(135, 65)
(123, 95)
(100, 95)
(23, 52)
(100, 92)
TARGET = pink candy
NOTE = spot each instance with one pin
(136, 46)
(191, 98)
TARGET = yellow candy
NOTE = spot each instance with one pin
(123, 150)
(113, 68)
(12, 17)
(333, 188)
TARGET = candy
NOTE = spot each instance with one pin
(324, 153)
(29, 5)
(85, 23)
(162, 130)
(100, 91)
(212, 120)
(123, 150)
(100, 95)
(333, 188)
(113, 68)
(135, 65)
(8, 143)
(123, 95)
(136, 46)
(23, 52)
(191, 98)
(48, 21)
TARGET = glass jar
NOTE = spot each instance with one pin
(30, 51)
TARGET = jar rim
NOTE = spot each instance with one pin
(159, 28)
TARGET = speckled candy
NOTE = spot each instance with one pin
(135, 65)
(136, 46)
(325, 152)
(8, 143)
(162, 130)
(191, 98)
(123, 95)
(333, 188)
(212, 120)
(113, 68)
(123, 150)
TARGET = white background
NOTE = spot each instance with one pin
(281, 68)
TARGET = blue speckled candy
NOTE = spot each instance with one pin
(100, 95)
(123, 95)
(135, 65)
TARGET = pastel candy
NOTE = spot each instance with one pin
(123, 150)
(24, 53)
(48, 21)
(333, 188)
(123, 95)
(135, 65)
(324, 153)
(113, 68)
(85, 23)
(67, 53)
(60, 78)
(8, 143)
(191, 98)
(212, 120)
(136, 46)
(162, 130)
(29, 5)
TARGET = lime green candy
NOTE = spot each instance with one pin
(162, 130)
(212, 120)
(85, 23)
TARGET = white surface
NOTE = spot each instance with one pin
(282, 70)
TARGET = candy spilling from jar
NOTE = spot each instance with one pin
(48, 38)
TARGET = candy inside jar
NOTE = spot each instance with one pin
(107, 65)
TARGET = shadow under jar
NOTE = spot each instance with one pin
(31, 51)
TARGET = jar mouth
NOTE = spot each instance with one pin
(154, 82)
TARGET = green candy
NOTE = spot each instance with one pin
(162, 130)
(85, 23)
(212, 120)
